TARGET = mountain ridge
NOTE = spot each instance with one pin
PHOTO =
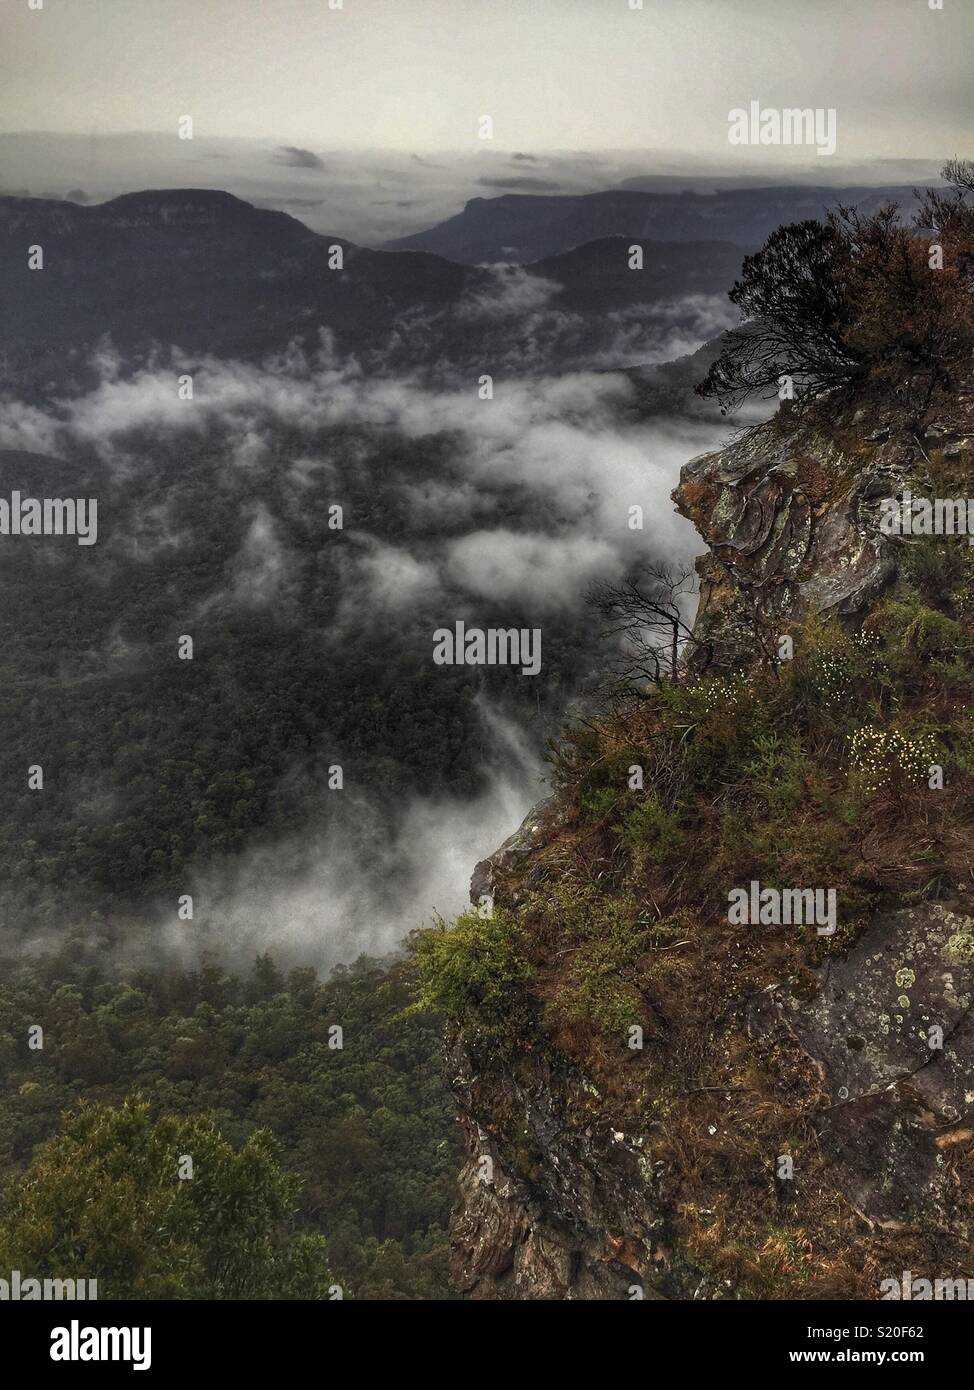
(525, 227)
(210, 273)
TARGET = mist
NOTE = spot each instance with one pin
(504, 510)
(360, 885)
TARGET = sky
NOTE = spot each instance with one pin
(417, 75)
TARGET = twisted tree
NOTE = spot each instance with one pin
(826, 305)
(647, 617)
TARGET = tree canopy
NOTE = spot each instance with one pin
(830, 305)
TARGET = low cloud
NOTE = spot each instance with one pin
(296, 158)
(513, 293)
(361, 885)
(262, 567)
(570, 454)
(522, 185)
(387, 578)
(505, 565)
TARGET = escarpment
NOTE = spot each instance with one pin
(661, 1100)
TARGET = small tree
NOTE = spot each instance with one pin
(793, 300)
(646, 615)
(831, 304)
(947, 216)
(109, 1198)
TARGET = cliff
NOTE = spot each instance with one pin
(659, 1102)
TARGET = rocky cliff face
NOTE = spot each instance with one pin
(791, 1126)
(791, 516)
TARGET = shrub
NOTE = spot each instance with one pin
(474, 972)
(652, 832)
(832, 304)
(888, 758)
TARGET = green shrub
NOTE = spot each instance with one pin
(595, 804)
(473, 972)
(652, 832)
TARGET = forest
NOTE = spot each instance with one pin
(317, 1166)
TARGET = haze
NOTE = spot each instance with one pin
(416, 75)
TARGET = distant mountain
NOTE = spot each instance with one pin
(597, 275)
(519, 227)
(196, 268)
(211, 274)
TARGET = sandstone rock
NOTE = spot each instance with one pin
(869, 1031)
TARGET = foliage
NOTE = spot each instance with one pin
(796, 314)
(831, 305)
(652, 832)
(104, 1200)
(473, 971)
(366, 1131)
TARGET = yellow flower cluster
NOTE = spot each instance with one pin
(878, 755)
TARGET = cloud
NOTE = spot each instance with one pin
(506, 566)
(28, 428)
(262, 566)
(513, 293)
(569, 454)
(387, 578)
(294, 157)
(522, 185)
(361, 884)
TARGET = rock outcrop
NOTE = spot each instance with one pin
(557, 1199)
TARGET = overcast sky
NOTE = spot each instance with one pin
(416, 75)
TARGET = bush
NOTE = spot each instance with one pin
(652, 832)
(830, 305)
(474, 972)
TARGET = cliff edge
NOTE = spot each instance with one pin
(662, 1096)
